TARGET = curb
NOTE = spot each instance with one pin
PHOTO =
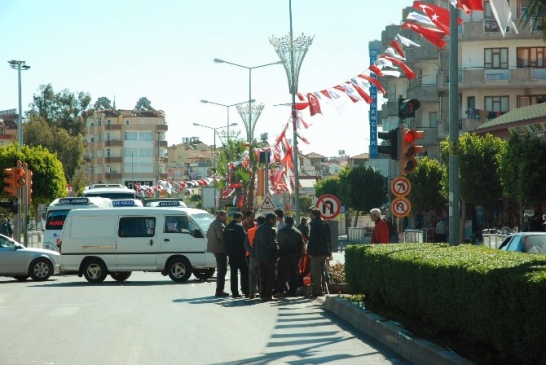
(391, 334)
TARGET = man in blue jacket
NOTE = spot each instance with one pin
(234, 241)
(265, 248)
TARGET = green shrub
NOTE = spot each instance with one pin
(490, 296)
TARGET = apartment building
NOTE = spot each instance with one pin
(189, 160)
(126, 147)
(496, 74)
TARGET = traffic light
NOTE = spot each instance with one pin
(20, 177)
(391, 149)
(409, 151)
(10, 185)
(407, 107)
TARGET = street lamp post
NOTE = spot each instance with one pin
(214, 129)
(19, 65)
(292, 52)
(250, 123)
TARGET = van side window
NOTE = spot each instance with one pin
(136, 227)
(192, 227)
(176, 224)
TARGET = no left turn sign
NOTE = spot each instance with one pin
(400, 186)
(329, 206)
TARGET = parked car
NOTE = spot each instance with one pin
(21, 262)
(528, 242)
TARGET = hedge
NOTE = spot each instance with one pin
(495, 297)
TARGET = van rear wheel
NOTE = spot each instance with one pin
(203, 274)
(179, 269)
(120, 276)
(95, 271)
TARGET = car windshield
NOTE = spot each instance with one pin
(534, 244)
(203, 220)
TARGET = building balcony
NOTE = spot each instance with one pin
(163, 143)
(488, 29)
(426, 52)
(113, 127)
(162, 127)
(426, 93)
(505, 78)
(113, 175)
(113, 143)
(113, 159)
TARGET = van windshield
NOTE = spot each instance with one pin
(55, 219)
(203, 220)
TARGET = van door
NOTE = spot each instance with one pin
(179, 238)
(137, 243)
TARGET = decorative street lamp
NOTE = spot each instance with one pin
(227, 108)
(292, 52)
(214, 148)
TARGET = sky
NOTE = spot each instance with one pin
(164, 50)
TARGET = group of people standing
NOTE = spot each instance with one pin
(264, 253)
(5, 227)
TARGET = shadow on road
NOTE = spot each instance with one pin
(108, 282)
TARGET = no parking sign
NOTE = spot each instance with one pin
(329, 206)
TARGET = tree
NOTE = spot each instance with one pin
(144, 104)
(331, 185)
(479, 159)
(64, 109)
(362, 188)
(69, 150)
(535, 11)
(48, 180)
(426, 186)
(523, 171)
(103, 103)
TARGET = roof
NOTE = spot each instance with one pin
(530, 112)
(314, 155)
(364, 156)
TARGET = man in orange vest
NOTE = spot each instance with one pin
(252, 263)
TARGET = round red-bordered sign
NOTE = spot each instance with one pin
(329, 206)
(400, 186)
(400, 207)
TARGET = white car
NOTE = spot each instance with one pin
(21, 262)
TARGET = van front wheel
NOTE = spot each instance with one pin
(95, 271)
(179, 269)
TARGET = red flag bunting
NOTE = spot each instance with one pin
(434, 36)
(373, 81)
(471, 5)
(409, 73)
(438, 15)
(314, 105)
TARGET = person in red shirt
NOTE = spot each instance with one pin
(381, 229)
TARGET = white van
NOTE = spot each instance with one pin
(117, 241)
(56, 214)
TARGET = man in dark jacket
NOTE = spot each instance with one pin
(234, 241)
(265, 248)
(318, 250)
(290, 251)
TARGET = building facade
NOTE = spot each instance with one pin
(126, 147)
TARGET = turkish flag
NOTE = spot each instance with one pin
(438, 15)
(314, 105)
(396, 46)
(471, 5)
(434, 36)
(409, 73)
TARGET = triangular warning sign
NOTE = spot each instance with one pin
(267, 204)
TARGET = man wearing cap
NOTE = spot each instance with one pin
(291, 245)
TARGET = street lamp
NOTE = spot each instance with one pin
(250, 123)
(227, 108)
(292, 52)
(214, 147)
(19, 65)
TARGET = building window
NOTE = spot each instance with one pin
(496, 104)
(127, 122)
(130, 136)
(146, 152)
(531, 57)
(530, 100)
(130, 151)
(108, 136)
(496, 58)
(99, 122)
(146, 136)
(108, 122)
(91, 139)
(433, 119)
(107, 152)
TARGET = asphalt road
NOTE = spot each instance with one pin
(150, 320)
